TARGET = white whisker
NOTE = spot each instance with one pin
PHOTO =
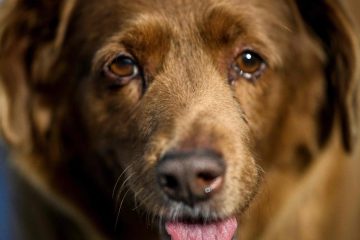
(118, 213)
(118, 179)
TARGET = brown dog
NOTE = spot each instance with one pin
(147, 119)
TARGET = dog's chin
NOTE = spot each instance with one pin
(222, 229)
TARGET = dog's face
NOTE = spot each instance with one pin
(182, 93)
(182, 103)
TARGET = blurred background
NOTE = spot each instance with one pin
(4, 195)
(4, 192)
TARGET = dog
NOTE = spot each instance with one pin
(179, 119)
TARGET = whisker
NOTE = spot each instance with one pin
(161, 217)
(153, 218)
(118, 213)
(143, 202)
(136, 201)
(118, 179)
(123, 186)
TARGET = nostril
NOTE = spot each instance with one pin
(204, 179)
(208, 182)
(206, 176)
(169, 182)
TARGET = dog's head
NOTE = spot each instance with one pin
(184, 100)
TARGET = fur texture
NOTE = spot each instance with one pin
(86, 143)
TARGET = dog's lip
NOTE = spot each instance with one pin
(224, 229)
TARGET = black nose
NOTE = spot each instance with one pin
(191, 176)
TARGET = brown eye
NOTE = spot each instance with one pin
(123, 66)
(249, 65)
(121, 70)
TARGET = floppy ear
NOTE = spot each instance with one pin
(331, 24)
(31, 36)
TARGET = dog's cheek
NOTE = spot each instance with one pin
(260, 102)
(107, 125)
(109, 110)
(242, 177)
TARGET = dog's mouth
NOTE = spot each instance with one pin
(220, 230)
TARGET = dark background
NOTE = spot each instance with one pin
(4, 194)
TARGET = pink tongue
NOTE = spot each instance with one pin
(223, 230)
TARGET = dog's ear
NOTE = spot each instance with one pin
(31, 36)
(329, 21)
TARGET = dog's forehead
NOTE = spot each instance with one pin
(189, 10)
(184, 13)
(183, 19)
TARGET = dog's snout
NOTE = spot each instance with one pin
(191, 176)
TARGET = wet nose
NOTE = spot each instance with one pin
(191, 176)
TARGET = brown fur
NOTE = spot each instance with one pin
(83, 150)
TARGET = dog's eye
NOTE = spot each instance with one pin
(122, 69)
(124, 66)
(249, 65)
